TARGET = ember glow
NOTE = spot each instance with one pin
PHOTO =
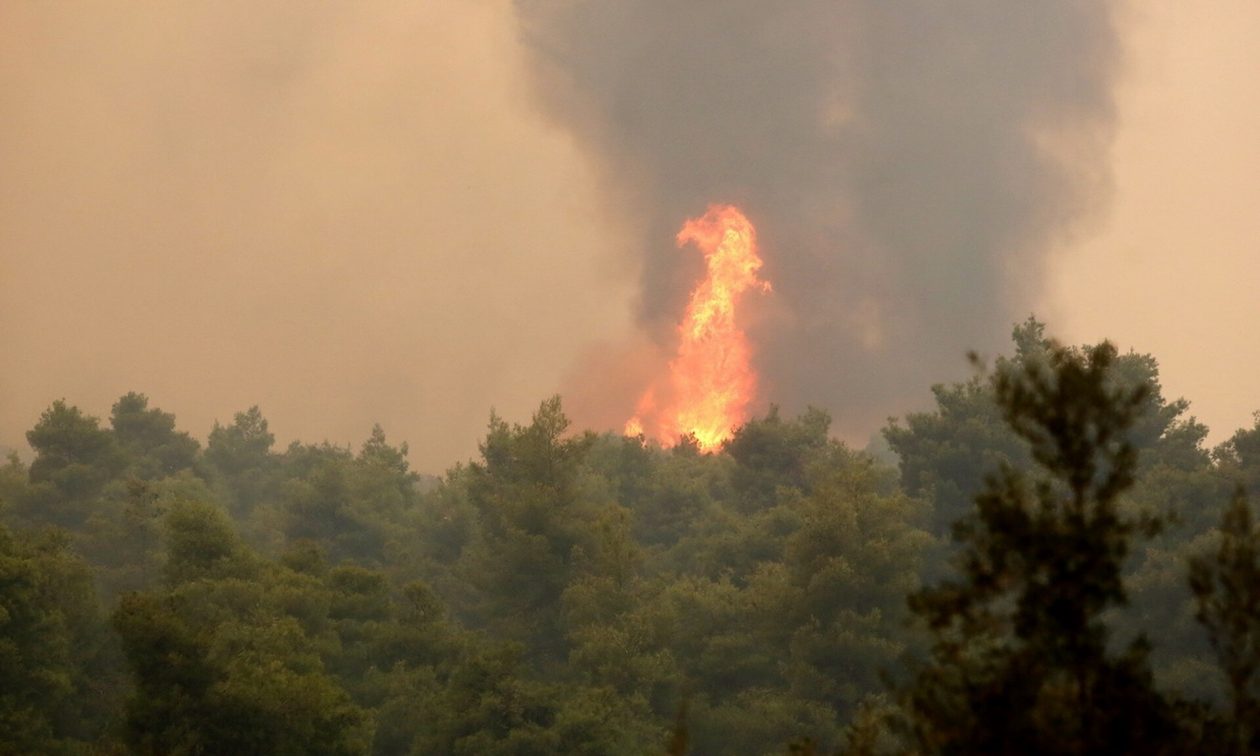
(711, 381)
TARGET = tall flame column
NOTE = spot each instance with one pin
(711, 380)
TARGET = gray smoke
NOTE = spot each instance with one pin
(908, 164)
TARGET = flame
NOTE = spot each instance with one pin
(711, 380)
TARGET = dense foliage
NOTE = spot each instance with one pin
(569, 592)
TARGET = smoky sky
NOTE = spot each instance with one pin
(412, 213)
(908, 165)
(345, 213)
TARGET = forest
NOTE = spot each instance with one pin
(1051, 560)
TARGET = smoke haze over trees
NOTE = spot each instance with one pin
(308, 232)
(413, 211)
(571, 592)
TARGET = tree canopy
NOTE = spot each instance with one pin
(1052, 562)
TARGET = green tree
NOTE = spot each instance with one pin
(849, 567)
(1240, 457)
(322, 501)
(227, 656)
(122, 539)
(771, 453)
(351, 506)
(1227, 593)
(1020, 658)
(947, 454)
(241, 453)
(530, 521)
(150, 439)
(667, 492)
(60, 681)
(74, 459)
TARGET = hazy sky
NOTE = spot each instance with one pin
(1173, 267)
(346, 213)
(358, 213)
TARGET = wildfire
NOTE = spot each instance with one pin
(711, 380)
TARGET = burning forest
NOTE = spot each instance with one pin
(614, 377)
(711, 381)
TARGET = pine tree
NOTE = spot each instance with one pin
(1020, 660)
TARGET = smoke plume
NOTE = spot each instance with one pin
(908, 165)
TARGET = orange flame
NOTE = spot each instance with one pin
(711, 380)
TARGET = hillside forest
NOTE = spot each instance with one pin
(1050, 560)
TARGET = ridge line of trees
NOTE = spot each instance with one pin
(1053, 562)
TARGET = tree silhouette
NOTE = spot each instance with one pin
(1227, 591)
(1020, 660)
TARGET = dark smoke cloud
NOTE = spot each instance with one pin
(908, 163)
